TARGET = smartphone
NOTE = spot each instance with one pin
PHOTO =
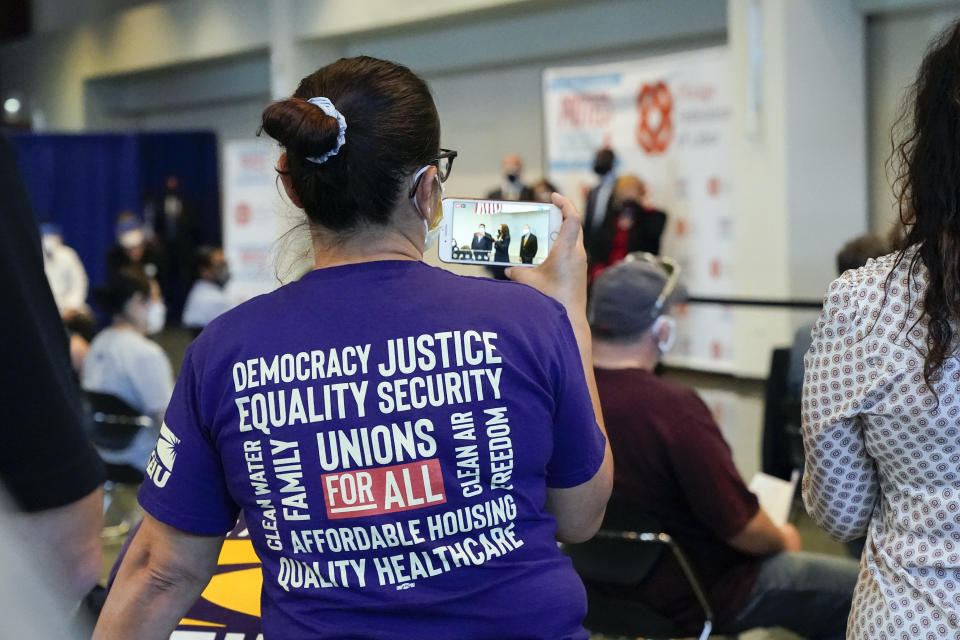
(492, 232)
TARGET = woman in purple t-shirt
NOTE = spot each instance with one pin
(405, 444)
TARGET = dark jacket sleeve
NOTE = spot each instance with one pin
(46, 459)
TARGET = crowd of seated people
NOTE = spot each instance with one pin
(120, 359)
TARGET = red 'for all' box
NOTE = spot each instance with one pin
(369, 492)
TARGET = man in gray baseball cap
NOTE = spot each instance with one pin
(634, 297)
(673, 464)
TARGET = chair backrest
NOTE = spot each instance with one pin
(113, 423)
(780, 428)
(613, 560)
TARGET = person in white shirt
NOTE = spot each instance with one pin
(207, 298)
(65, 272)
(123, 362)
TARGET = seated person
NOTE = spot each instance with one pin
(207, 299)
(673, 463)
(124, 363)
(65, 272)
(130, 249)
(852, 255)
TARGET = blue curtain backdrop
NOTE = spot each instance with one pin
(83, 181)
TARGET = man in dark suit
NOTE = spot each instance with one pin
(528, 246)
(599, 199)
(512, 187)
(482, 244)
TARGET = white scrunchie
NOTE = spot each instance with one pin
(330, 110)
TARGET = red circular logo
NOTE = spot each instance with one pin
(242, 214)
(655, 128)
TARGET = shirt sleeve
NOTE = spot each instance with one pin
(154, 380)
(186, 486)
(578, 442)
(703, 466)
(46, 460)
(840, 485)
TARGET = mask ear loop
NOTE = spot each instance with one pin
(665, 345)
(413, 192)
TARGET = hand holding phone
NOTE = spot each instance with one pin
(563, 275)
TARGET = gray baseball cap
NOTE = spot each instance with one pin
(627, 297)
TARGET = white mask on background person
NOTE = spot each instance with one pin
(526, 232)
(665, 344)
(156, 317)
(51, 242)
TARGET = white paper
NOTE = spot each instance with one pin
(775, 495)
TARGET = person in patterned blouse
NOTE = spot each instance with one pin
(881, 397)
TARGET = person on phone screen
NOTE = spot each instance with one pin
(501, 246)
(406, 444)
(528, 245)
(482, 243)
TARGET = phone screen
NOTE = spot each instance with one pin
(495, 231)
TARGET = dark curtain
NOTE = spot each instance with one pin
(83, 181)
(192, 158)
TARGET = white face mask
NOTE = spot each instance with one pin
(51, 243)
(430, 236)
(156, 317)
(665, 344)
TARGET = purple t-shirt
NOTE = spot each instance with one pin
(389, 430)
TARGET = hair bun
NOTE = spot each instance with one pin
(302, 128)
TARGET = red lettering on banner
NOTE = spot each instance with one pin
(716, 350)
(370, 492)
(585, 111)
(715, 268)
(243, 213)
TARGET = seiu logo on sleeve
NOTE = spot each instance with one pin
(161, 461)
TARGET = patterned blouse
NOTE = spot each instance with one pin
(882, 458)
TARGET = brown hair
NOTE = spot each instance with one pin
(392, 130)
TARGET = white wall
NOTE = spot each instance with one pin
(896, 44)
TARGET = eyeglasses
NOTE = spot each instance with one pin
(444, 163)
(667, 264)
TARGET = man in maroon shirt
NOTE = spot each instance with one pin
(672, 462)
